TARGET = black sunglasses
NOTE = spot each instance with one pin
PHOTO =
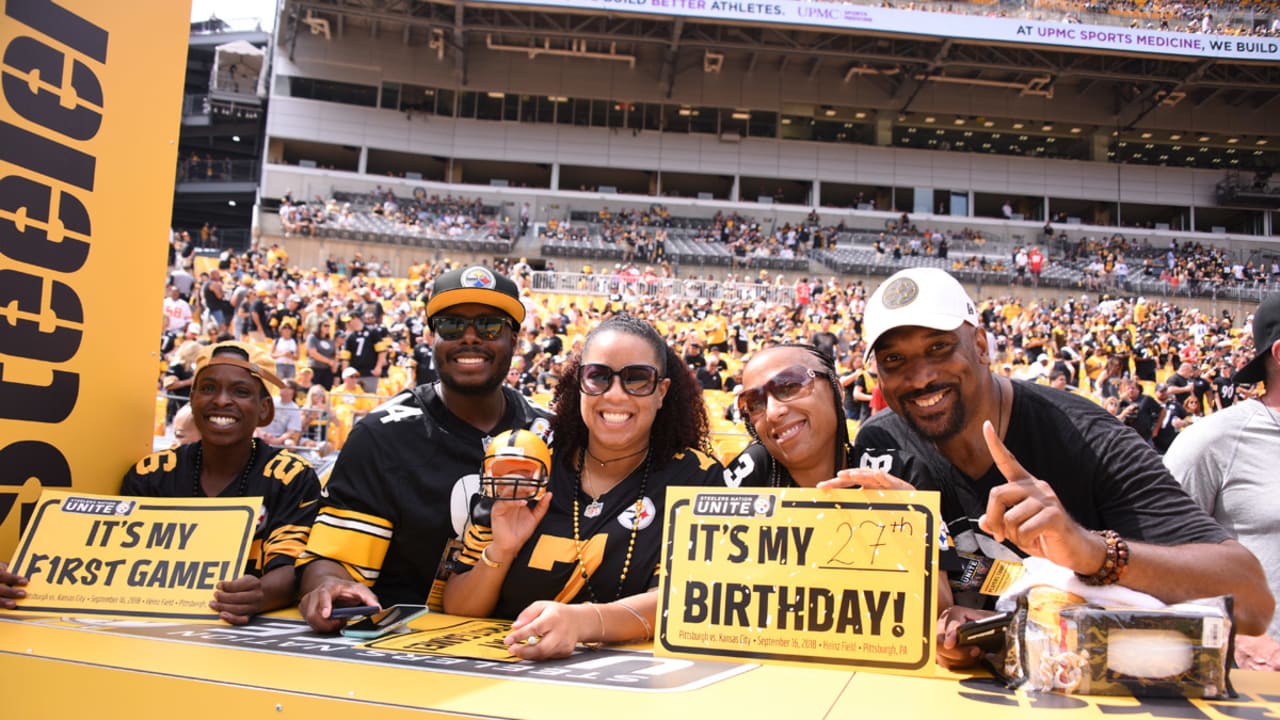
(451, 327)
(786, 385)
(637, 380)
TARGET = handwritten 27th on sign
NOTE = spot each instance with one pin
(843, 578)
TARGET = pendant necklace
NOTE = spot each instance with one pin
(596, 506)
(631, 542)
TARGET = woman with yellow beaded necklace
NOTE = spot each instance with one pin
(580, 564)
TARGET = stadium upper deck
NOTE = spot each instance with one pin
(782, 102)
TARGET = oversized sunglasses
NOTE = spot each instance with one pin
(786, 385)
(451, 327)
(638, 380)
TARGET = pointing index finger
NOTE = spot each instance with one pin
(1005, 461)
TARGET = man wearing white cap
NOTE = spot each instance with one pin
(1027, 470)
(1226, 462)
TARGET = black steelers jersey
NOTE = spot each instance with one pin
(547, 567)
(287, 484)
(388, 508)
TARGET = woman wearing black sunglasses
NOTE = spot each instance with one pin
(580, 564)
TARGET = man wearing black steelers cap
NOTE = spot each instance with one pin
(398, 496)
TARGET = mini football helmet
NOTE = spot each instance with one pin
(516, 466)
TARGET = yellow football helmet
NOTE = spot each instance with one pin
(516, 466)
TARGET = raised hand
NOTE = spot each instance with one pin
(1026, 511)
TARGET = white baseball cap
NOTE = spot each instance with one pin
(917, 297)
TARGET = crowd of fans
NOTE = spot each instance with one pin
(644, 236)
(346, 338)
(446, 216)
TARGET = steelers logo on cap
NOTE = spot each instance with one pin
(477, 277)
(900, 292)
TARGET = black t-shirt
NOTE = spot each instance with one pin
(1104, 474)
(825, 342)
(551, 345)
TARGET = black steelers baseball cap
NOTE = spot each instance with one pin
(475, 284)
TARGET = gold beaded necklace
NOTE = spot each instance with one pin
(631, 543)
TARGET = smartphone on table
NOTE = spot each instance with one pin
(382, 622)
(987, 633)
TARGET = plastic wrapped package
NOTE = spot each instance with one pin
(1058, 643)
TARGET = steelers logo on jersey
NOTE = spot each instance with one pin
(638, 515)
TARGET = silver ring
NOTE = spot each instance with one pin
(533, 640)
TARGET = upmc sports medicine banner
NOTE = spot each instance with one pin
(865, 18)
(90, 99)
(843, 579)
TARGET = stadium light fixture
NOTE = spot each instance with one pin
(930, 119)
(1146, 136)
(235, 138)
(684, 112)
(741, 115)
(959, 121)
(1046, 128)
(1176, 136)
(829, 111)
(494, 95)
(1204, 138)
(860, 115)
(1261, 141)
(1018, 126)
(786, 121)
(1076, 130)
(1233, 141)
(989, 123)
(558, 99)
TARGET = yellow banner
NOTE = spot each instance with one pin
(450, 636)
(839, 579)
(89, 110)
(133, 557)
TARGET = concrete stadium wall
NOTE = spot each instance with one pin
(318, 121)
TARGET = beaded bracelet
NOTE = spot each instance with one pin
(1117, 560)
